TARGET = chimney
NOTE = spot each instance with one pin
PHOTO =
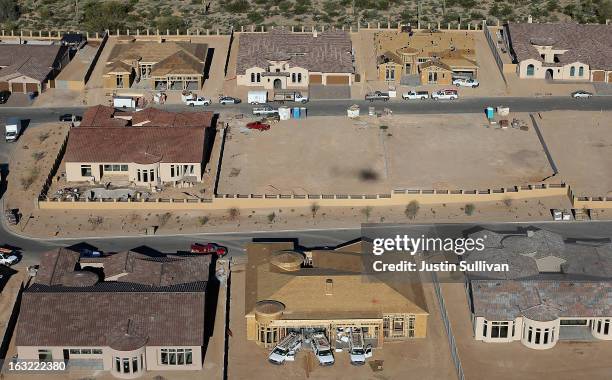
(329, 287)
(529, 19)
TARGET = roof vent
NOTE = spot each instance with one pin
(329, 287)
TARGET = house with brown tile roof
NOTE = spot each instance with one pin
(28, 68)
(163, 65)
(400, 54)
(281, 59)
(144, 148)
(561, 51)
(126, 313)
(290, 290)
(535, 302)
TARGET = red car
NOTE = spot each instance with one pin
(208, 249)
(258, 125)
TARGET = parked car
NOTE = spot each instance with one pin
(208, 249)
(581, 94)
(377, 95)
(285, 350)
(4, 96)
(264, 111)
(70, 117)
(198, 101)
(7, 257)
(449, 94)
(414, 95)
(86, 252)
(258, 125)
(229, 100)
(465, 82)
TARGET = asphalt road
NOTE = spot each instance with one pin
(338, 107)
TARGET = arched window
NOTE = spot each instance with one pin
(530, 70)
(572, 71)
(581, 71)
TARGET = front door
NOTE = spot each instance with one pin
(278, 84)
(66, 354)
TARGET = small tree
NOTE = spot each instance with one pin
(271, 217)
(233, 213)
(203, 220)
(508, 202)
(314, 208)
(367, 212)
(469, 209)
(412, 209)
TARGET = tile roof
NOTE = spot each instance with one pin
(586, 43)
(329, 52)
(34, 61)
(173, 57)
(98, 319)
(159, 118)
(155, 301)
(143, 145)
(541, 299)
(102, 116)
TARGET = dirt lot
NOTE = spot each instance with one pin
(581, 146)
(509, 361)
(31, 162)
(425, 359)
(327, 155)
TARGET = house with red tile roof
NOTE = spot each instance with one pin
(144, 148)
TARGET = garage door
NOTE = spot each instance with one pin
(316, 79)
(17, 87)
(31, 87)
(337, 79)
(4, 86)
(599, 76)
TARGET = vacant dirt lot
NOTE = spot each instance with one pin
(581, 146)
(509, 361)
(426, 359)
(327, 155)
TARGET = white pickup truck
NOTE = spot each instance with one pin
(197, 101)
(264, 111)
(415, 95)
(448, 94)
(322, 349)
(6, 257)
(285, 350)
(357, 349)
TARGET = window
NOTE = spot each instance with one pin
(572, 71)
(293, 77)
(386, 327)
(422, 60)
(138, 175)
(86, 351)
(398, 326)
(145, 176)
(117, 365)
(119, 81)
(390, 73)
(45, 355)
(499, 329)
(135, 364)
(484, 329)
(581, 71)
(411, 321)
(96, 351)
(152, 174)
(259, 78)
(115, 168)
(433, 77)
(252, 77)
(126, 365)
(176, 356)
(85, 170)
(171, 170)
(530, 70)
(574, 322)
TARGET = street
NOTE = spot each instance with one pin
(338, 107)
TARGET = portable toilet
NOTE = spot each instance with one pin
(296, 112)
(284, 113)
(490, 113)
(303, 113)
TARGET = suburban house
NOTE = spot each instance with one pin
(561, 51)
(433, 57)
(288, 290)
(281, 59)
(30, 68)
(553, 290)
(126, 313)
(144, 148)
(164, 65)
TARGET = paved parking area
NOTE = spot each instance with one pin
(336, 155)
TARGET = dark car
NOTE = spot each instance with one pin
(4, 95)
(70, 117)
(228, 100)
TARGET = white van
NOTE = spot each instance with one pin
(285, 350)
(257, 97)
(322, 349)
(12, 129)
